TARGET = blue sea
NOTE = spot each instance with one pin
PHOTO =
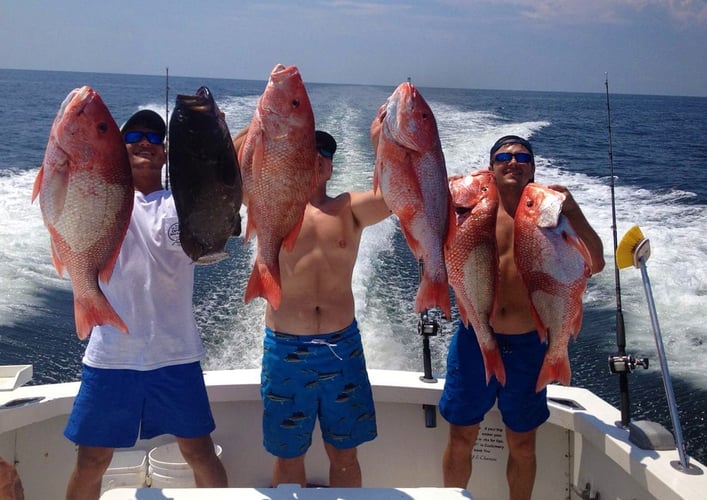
(660, 167)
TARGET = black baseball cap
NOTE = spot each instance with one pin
(326, 145)
(146, 118)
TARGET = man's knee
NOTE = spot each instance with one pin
(342, 458)
(462, 438)
(93, 459)
(521, 445)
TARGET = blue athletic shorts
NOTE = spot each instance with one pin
(466, 397)
(113, 407)
(305, 377)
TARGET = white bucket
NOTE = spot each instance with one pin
(168, 469)
(126, 469)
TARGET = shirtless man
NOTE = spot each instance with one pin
(466, 397)
(313, 363)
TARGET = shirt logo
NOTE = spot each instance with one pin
(173, 233)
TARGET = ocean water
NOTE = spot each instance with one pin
(659, 161)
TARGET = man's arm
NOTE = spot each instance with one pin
(584, 230)
(368, 208)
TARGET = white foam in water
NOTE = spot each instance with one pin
(24, 246)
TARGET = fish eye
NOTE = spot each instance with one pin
(103, 127)
(295, 103)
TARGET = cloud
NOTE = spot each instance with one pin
(599, 11)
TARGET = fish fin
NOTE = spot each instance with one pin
(557, 371)
(37, 183)
(451, 224)
(251, 226)
(237, 223)
(576, 325)
(575, 242)
(58, 264)
(376, 183)
(288, 243)
(95, 310)
(433, 294)
(264, 283)
(493, 363)
(463, 313)
(107, 271)
(539, 325)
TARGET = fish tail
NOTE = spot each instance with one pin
(264, 283)
(493, 363)
(433, 294)
(90, 311)
(554, 371)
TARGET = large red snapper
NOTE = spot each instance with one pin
(411, 173)
(278, 164)
(472, 260)
(85, 190)
(554, 265)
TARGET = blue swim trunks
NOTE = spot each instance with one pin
(309, 376)
(114, 407)
(466, 397)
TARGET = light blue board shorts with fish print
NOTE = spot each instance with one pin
(309, 376)
(466, 398)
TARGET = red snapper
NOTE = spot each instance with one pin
(85, 191)
(411, 173)
(277, 159)
(554, 265)
(472, 260)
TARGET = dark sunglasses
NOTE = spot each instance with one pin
(325, 153)
(506, 157)
(136, 136)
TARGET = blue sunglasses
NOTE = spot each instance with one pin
(506, 157)
(325, 153)
(136, 136)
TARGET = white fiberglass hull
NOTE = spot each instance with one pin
(579, 449)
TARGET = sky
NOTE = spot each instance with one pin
(644, 46)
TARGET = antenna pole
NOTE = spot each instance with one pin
(166, 122)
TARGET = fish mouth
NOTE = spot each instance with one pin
(201, 101)
(79, 98)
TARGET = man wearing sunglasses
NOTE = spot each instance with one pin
(467, 397)
(148, 382)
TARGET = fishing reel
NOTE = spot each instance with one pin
(621, 363)
(427, 326)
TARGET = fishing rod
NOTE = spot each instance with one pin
(166, 123)
(620, 363)
(635, 249)
(427, 327)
